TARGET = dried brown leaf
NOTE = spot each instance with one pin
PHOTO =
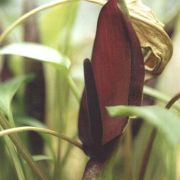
(152, 36)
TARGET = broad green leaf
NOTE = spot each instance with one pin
(37, 52)
(164, 120)
(7, 91)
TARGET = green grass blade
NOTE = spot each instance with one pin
(7, 91)
(37, 52)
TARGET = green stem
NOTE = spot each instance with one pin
(68, 151)
(147, 154)
(17, 162)
(21, 148)
(74, 88)
(16, 159)
(172, 101)
(57, 167)
(151, 140)
(128, 144)
(42, 130)
(159, 95)
(37, 10)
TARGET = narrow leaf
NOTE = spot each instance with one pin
(37, 52)
(7, 91)
(167, 122)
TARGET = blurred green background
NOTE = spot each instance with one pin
(51, 97)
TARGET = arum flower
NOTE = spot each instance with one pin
(114, 76)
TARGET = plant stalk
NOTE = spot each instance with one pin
(11, 131)
(22, 150)
(151, 140)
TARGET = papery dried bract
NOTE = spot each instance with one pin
(151, 35)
